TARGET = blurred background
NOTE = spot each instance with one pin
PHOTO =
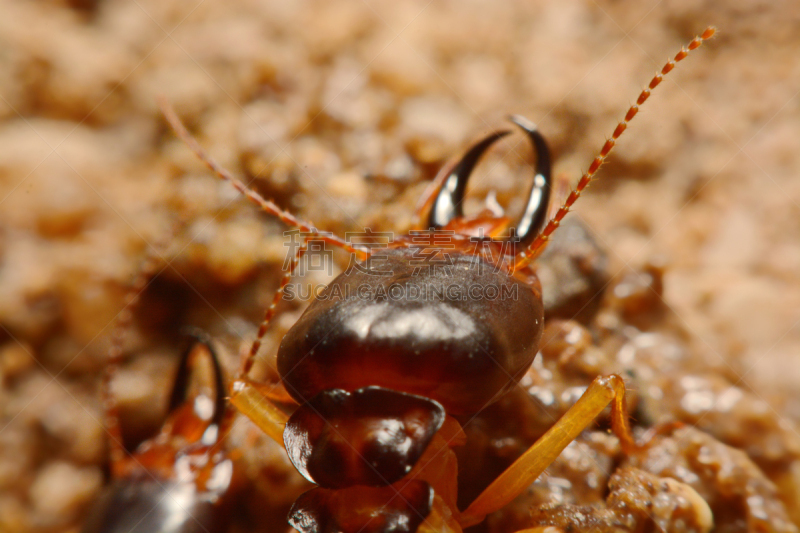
(342, 112)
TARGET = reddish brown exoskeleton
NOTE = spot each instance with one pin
(377, 379)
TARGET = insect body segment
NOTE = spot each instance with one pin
(379, 370)
(372, 436)
(433, 340)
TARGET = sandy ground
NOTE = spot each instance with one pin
(342, 112)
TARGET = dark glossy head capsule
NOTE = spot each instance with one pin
(459, 334)
(458, 329)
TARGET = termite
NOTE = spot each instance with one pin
(378, 380)
(181, 480)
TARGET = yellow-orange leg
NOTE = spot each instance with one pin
(274, 392)
(250, 401)
(516, 478)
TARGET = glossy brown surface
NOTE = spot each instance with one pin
(371, 436)
(149, 505)
(446, 344)
(393, 509)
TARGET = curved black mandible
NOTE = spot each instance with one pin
(448, 203)
(183, 376)
(535, 214)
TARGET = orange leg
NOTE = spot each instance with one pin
(275, 392)
(601, 392)
(256, 400)
(247, 398)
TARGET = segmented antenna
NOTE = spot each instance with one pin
(538, 244)
(247, 363)
(121, 325)
(560, 191)
(266, 205)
